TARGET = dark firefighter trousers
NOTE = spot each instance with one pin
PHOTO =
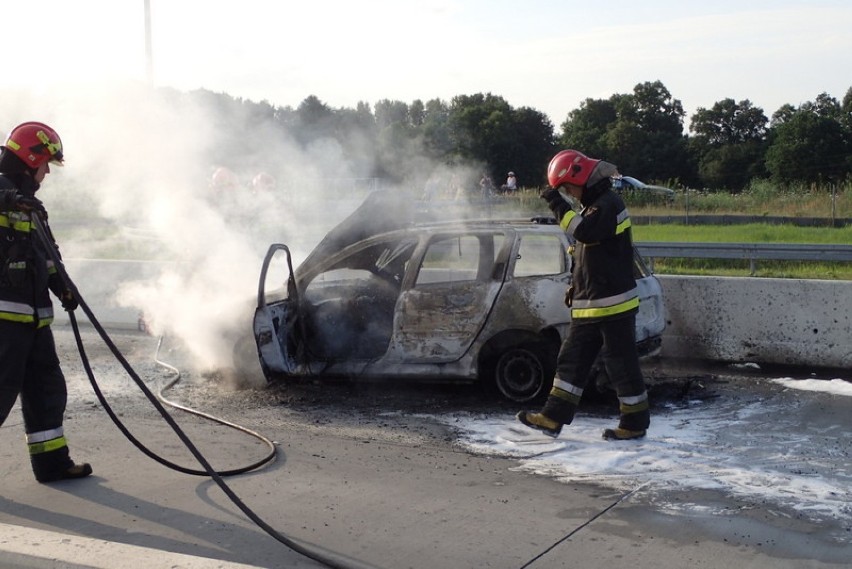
(29, 367)
(615, 341)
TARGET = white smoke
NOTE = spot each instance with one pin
(137, 163)
(136, 184)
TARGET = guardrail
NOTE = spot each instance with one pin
(750, 251)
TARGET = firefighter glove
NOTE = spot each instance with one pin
(555, 202)
(551, 195)
(69, 301)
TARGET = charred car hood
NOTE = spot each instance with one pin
(382, 211)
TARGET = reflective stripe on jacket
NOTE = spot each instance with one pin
(27, 274)
(602, 276)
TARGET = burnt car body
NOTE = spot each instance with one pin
(384, 295)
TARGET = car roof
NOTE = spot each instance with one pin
(485, 224)
(384, 211)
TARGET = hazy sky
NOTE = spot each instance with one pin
(546, 54)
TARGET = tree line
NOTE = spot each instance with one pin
(727, 145)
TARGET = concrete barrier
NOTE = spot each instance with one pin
(726, 319)
(765, 321)
(98, 280)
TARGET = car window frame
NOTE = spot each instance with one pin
(496, 271)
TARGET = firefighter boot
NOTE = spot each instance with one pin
(619, 434)
(635, 419)
(558, 410)
(540, 422)
(51, 461)
(74, 471)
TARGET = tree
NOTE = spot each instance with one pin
(355, 130)
(532, 148)
(485, 129)
(391, 112)
(314, 120)
(647, 139)
(846, 123)
(783, 114)
(731, 166)
(809, 147)
(729, 143)
(586, 127)
(435, 130)
(824, 106)
(728, 122)
(640, 132)
(417, 112)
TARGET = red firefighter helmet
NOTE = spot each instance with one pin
(224, 180)
(35, 143)
(263, 182)
(570, 167)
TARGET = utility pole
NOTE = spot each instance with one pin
(149, 58)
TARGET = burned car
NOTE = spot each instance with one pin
(387, 294)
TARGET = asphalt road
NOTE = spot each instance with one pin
(364, 477)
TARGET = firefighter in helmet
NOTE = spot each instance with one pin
(603, 298)
(29, 365)
(263, 183)
(224, 180)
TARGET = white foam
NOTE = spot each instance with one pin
(699, 447)
(833, 386)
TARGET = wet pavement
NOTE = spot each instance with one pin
(739, 469)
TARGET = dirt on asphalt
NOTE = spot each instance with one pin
(339, 405)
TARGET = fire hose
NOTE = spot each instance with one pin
(312, 551)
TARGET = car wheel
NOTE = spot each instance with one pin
(522, 374)
(246, 371)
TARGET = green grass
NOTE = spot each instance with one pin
(748, 233)
(745, 233)
(761, 199)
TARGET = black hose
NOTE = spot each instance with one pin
(327, 558)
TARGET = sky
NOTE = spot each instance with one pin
(549, 55)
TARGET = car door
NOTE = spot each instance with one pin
(448, 296)
(275, 312)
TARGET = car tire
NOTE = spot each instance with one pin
(524, 373)
(247, 370)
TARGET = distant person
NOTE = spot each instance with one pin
(432, 189)
(511, 184)
(455, 191)
(29, 364)
(486, 186)
(603, 299)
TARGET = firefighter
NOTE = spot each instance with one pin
(603, 298)
(224, 180)
(29, 364)
(263, 183)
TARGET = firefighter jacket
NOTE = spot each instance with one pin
(602, 285)
(26, 272)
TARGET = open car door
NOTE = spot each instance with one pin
(276, 313)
